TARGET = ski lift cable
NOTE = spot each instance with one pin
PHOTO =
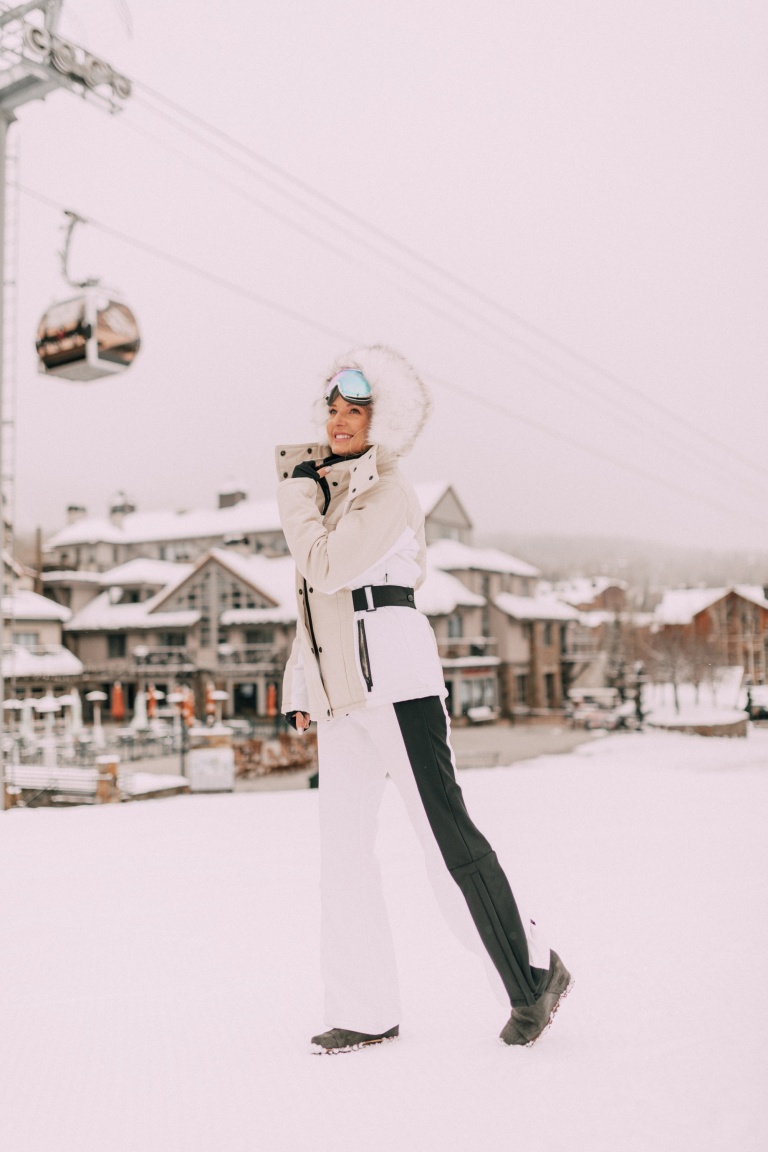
(624, 416)
(610, 406)
(444, 273)
(293, 314)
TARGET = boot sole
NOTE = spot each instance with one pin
(552, 1014)
(318, 1050)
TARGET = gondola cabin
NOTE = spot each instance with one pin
(87, 337)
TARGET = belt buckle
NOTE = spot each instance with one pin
(370, 606)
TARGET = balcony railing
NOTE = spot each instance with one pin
(458, 647)
(254, 655)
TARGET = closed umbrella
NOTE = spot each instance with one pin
(27, 722)
(117, 703)
(76, 711)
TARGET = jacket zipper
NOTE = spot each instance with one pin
(316, 650)
(365, 663)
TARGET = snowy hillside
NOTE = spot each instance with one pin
(159, 977)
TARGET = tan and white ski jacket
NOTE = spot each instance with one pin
(372, 533)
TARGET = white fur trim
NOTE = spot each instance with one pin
(401, 400)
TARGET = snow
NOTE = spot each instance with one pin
(454, 556)
(585, 589)
(724, 704)
(534, 607)
(102, 614)
(160, 979)
(429, 493)
(441, 594)
(145, 572)
(198, 523)
(680, 605)
(45, 662)
(27, 605)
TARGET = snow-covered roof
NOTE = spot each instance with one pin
(27, 605)
(67, 576)
(585, 589)
(148, 527)
(26, 663)
(453, 556)
(144, 572)
(681, 605)
(102, 615)
(441, 594)
(239, 519)
(534, 607)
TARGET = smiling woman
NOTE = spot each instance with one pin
(365, 666)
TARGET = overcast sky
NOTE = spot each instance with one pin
(596, 169)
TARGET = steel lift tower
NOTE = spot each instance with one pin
(34, 61)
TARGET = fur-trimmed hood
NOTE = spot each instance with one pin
(401, 400)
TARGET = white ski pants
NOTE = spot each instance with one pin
(410, 742)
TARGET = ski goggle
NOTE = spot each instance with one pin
(352, 386)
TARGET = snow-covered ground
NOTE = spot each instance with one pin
(159, 977)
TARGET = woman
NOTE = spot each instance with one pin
(365, 666)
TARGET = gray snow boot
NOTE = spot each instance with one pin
(528, 1022)
(342, 1040)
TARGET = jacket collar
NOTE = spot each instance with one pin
(363, 472)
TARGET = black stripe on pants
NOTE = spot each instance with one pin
(467, 854)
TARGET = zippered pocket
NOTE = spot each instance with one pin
(365, 663)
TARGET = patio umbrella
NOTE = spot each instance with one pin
(117, 703)
(97, 698)
(151, 702)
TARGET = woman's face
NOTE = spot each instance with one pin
(347, 427)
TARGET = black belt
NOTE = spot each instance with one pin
(374, 596)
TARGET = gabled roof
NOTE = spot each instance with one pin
(453, 556)
(103, 615)
(679, 606)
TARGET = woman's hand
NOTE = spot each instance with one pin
(302, 721)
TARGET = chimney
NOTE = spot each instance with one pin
(76, 512)
(231, 493)
(119, 507)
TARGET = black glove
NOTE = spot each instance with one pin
(307, 470)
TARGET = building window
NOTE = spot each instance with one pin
(171, 639)
(521, 687)
(550, 689)
(27, 639)
(455, 626)
(547, 635)
(116, 645)
(261, 635)
(479, 692)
